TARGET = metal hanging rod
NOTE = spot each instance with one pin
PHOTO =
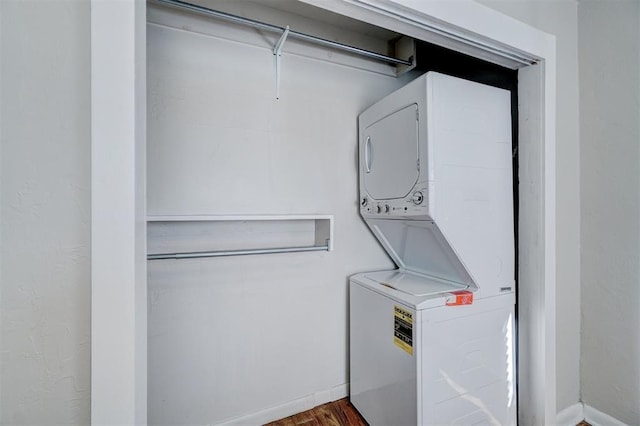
(274, 28)
(199, 254)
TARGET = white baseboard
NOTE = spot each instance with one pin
(598, 418)
(571, 416)
(578, 412)
(290, 408)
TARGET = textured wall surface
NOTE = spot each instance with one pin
(610, 193)
(45, 211)
(560, 18)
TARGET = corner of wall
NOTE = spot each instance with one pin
(571, 415)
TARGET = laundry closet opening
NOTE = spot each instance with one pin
(237, 338)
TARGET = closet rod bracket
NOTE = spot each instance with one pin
(277, 52)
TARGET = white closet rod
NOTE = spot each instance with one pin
(294, 34)
(200, 254)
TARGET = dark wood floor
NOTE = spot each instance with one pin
(337, 413)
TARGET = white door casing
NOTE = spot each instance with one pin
(118, 222)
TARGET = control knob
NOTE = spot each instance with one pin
(417, 198)
(378, 208)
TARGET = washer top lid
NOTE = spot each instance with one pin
(413, 284)
(419, 246)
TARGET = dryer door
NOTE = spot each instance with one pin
(389, 154)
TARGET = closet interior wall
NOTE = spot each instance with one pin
(230, 337)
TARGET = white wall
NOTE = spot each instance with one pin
(232, 336)
(45, 212)
(610, 192)
(560, 18)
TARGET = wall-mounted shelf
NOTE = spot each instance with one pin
(189, 237)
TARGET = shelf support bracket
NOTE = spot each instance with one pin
(277, 52)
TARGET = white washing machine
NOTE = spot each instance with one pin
(433, 342)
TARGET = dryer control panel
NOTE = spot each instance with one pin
(415, 204)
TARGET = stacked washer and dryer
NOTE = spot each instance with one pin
(433, 342)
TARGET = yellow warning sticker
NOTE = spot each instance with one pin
(403, 329)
